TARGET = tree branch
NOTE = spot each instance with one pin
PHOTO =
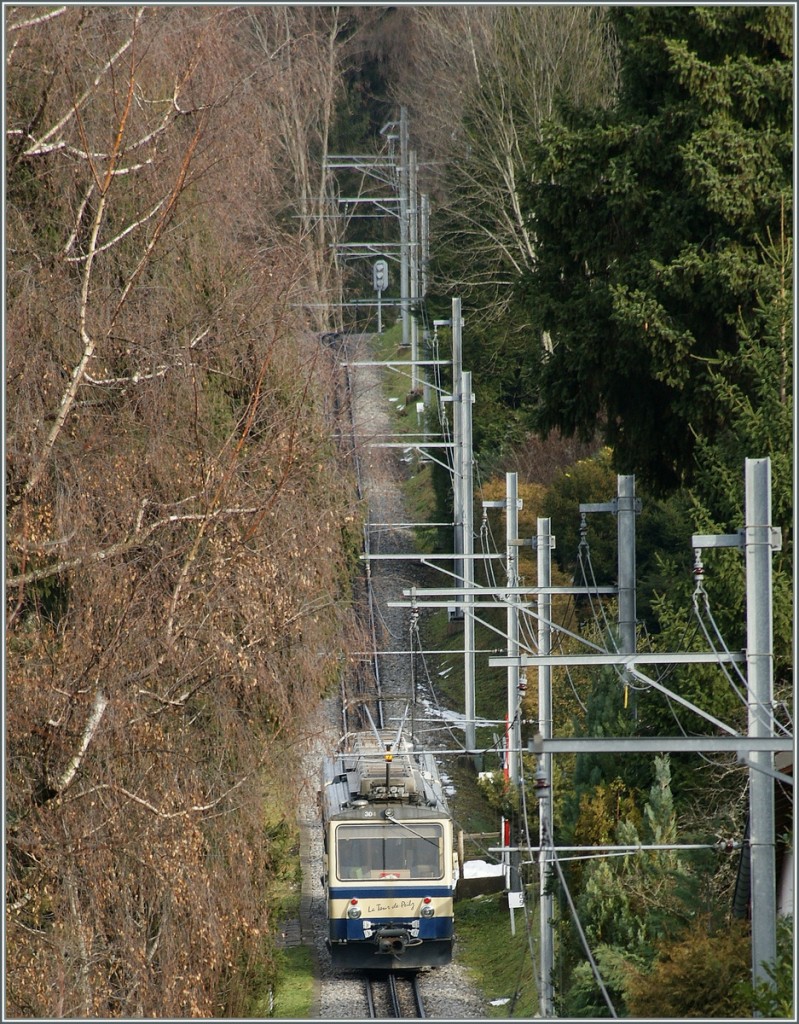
(138, 537)
(169, 815)
(35, 149)
(32, 22)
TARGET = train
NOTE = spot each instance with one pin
(390, 856)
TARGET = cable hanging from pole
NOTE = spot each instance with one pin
(430, 684)
(583, 561)
(412, 634)
(578, 924)
(766, 715)
(528, 924)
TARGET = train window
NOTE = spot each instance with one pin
(373, 851)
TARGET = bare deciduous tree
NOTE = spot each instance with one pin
(171, 480)
(479, 85)
(301, 56)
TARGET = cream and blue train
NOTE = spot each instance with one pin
(390, 860)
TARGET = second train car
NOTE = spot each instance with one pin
(390, 858)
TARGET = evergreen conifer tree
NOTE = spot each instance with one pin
(652, 222)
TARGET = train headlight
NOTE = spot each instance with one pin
(428, 910)
(353, 911)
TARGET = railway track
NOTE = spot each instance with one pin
(394, 995)
(364, 688)
(360, 413)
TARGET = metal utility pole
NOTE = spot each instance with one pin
(514, 737)
(467, 527)
(514, 730)
(424, 260)
(759, 542)
(404, 204)
(625, 507)
(544, 544)
(413, 249)
(425, 238)
(625, 532)
(626, 510)
(457, 468)
(513, 726)
(759, 539)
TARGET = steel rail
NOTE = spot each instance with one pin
(393, 995)
(370, 997)
(418, 1002)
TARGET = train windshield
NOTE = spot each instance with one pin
(412, 850)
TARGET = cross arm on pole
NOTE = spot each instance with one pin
(737, 744)
(622, 660)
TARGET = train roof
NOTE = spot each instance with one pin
(356, 779)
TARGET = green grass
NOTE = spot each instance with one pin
(397, 383)
(499, 962)
(296, 988)
(388, 344)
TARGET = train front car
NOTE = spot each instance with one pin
(390, 862)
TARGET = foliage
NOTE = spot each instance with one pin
(648, 887)
(697, 976)
(603, 808)
(180, 533)
(774, 996)
(645, 297)
(499, 794)
(584, 998)
(604, 780)
(477, 85)
(640, 906)
(477, 82)
(587, 546)
(650, 224)
(588, 480)
(755, 399)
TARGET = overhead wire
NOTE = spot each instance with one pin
(583, 556)
(765, 714)
(488, 543)
(572, 615)
(430, 684)
(530, 643)
(628, 673)
(577, 923)
(486, 540)
(589, 580)
(526, 824)
(443, 418)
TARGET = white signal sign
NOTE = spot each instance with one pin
(380, 275)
